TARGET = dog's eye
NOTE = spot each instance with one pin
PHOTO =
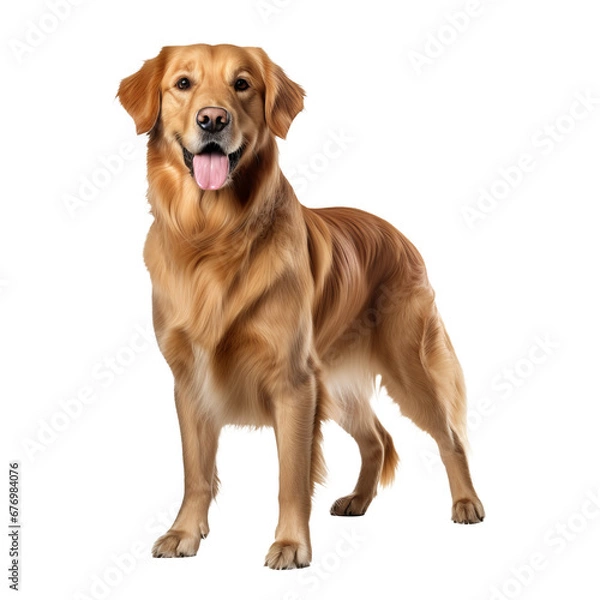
(241, 84)
(183, 83)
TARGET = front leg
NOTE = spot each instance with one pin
(199, 439)
(294, 409)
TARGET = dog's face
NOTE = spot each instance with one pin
(213, 106)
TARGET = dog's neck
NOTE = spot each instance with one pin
(209, 219)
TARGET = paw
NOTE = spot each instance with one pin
(287, 555)
(353, 505)
(176, 543)
(468, 511)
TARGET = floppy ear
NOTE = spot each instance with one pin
(284, 99)
(140, 94)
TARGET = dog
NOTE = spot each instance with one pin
(273, 314)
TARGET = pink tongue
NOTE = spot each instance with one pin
(211, 170)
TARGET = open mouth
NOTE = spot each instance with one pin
(211, 167)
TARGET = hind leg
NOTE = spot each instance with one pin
(466, 506)
(378, 458)
(422, 374)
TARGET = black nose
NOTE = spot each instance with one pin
(212, 119)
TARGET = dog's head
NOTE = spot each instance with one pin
(214, 106)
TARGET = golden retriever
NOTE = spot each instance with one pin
(273, 314)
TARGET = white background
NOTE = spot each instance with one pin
(104, 482)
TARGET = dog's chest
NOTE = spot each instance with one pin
(225, 400)
(190, 295)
